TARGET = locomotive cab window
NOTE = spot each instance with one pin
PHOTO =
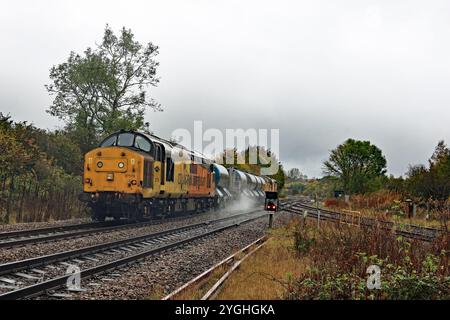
(109, 142)
(142, 144)
(130, 140)
(125, 140)
(159, 153)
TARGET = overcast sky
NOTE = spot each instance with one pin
(321, 71)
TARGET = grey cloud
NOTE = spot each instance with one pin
(321, 71)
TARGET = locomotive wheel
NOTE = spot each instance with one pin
(140, 211)
(172, 209)
(134, 214)
(147, 212)
(98, 213)
(184, 207)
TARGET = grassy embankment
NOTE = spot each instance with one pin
(301, 262)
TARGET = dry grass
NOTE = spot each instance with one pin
(257, 278)
(197, 290)
(385, 205)
(339, 256)
(301, 262)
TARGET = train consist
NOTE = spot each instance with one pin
(134, 175)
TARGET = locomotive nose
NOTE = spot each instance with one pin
(111, 170)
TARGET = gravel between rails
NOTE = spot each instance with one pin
(171, 269)
(45, 248)
(36, 225)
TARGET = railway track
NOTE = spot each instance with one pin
(23, 237)
(36, 276)
(405, 230)
(30, 232)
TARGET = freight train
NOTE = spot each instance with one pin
(134, 175)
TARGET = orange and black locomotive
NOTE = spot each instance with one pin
(133, 174)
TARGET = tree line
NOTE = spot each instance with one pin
(247, 164)
(95, 93)
(359, 167)
(39, 173)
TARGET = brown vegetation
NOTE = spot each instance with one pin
(302, 262)
(390, 205)
(39, 174)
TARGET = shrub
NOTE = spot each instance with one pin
(338, 257)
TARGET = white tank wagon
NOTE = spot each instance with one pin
(255, 185)
(222, 179)
(238, 182)
(232, 183)
(260, 186)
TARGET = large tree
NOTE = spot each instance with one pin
(357, 164)
(432, 182)
(104, 89)
(295, 174)
(255, 168)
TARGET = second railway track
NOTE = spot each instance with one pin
(406, 230)
(23, 237)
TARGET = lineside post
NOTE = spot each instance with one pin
(270, 220)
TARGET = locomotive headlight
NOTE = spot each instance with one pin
(100, 164)
(121, 165)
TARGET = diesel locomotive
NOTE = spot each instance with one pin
(134, 175)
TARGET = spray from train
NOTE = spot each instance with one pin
(238, 190)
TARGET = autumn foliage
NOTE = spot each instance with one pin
(39, 174)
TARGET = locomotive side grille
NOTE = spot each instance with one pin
(148, 174)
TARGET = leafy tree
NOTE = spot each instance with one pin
(279, 176)
(104, 89)
(441, 154)
(356, 164)
(34, 166)
(395, 184)
(432, 182)
(60, 150)
(323, 187)
(295, 174)
(18, 149)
